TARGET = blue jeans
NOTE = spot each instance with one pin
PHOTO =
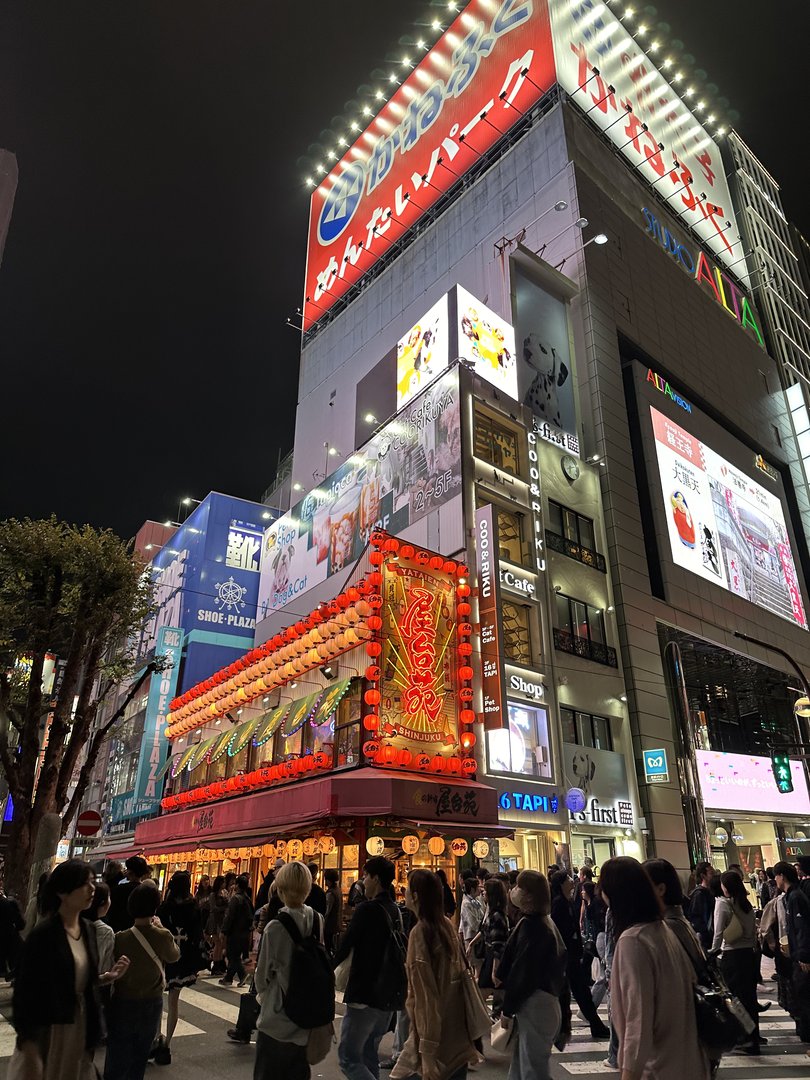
(360, 1037)
(131, 1030)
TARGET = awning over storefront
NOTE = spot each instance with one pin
(330, 701)
(269, 723)
(200, 755)
(220, 745)
(182, 761)
(300, 711)
(446, 805)
(243, 734)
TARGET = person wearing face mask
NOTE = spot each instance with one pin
(567, 922)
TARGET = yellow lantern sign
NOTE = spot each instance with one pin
(281, 848)
(327, 844)
(436, 845)
(410, 844)
(480, 849)
(295, 849)
(458, 847)
(375, 845)
(269, 851)
(310, 845)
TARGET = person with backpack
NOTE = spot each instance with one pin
(377, 983)
(294, 983)
(700, 907)
(237, 928)
(134, 1012)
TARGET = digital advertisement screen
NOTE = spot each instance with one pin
(487, 341)
(522, 749)
(723, 525)
(423, 353)
(740, 782)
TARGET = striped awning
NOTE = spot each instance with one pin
(269, 723)
(243, 734)
(330, 701)
(300, 711)
(220, 745)
(183, 760)
(201, 752)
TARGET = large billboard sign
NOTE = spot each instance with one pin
(410, 468)
(746, 784)
(493, 63)
(489, 617)
(724, 526)
(609, 76)
(154, 747)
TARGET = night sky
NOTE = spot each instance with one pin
(157, 243)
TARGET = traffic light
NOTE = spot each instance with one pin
(780, 763)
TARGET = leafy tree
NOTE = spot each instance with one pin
(79, 593)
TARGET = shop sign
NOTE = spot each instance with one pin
(328, 530)
(656, 769)
(155, 747)
(489, 615)
(202, 821)
(525, 802)
(721, 288)
(447, 802)
(556, 436)
(491, 65)
(527, 685)
(507, 485)
(763, 466)
(575, 800)
(538, 535)
(518, 580)
(742, 783)
(601, 775)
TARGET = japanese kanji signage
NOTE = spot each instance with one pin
(601, 776)
(493, 63)
(492, 710)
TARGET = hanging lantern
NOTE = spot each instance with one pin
(372, 697)
(281, 848)
(468, 766)
(327, 844)
(406, 551)
(374, 648)
(462, 571)
(410, 844)
(437, 764)
(436, 563)
(453, 766)
(465, 648)
(321, 760)
(422, 558)
(375, 845)
(458, 847)
(464, 610)
(310, 845)
(376, 558)
(465, 673)
(374, 622)
(404, 759)
(466, 716)
(391, 545)
(465, 694)
(423, 762)
(295, 849)
(468, 740)
(373, 673)
(480, 849)
(463, 590)
(371, 722)
(269, 851)
(436, 845)
(377, 538)
(371, 748)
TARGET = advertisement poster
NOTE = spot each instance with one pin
(743, 783)
(723, 525)
(487, 341)
(493, 63)
(410, 467)
(602, 777)
(423, 353)
(609, 77)
(524, 748)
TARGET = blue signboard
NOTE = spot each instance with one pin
(154, 745)
(656, 770)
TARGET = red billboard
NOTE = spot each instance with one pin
(491, 65)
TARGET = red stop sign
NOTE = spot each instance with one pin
(89, 822)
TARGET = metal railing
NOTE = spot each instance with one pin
(575, 551)
(567, 642)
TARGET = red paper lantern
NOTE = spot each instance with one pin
(404, 758)
(391, 545)
(463, 590)
(465, 672)
(450, 567)
(465, 648)
(353, 594)
(371, 722)
(320, 760)
(468, 740)
(465, 694)
(373, 649)
(374, 622)
(436, 563)
(462, 571)
(422, 558)
(468, 766)
(464, 609)
(309, 763)
(453, 767)
(437, 765)
(342, 601)
(287, 769)
(372, 697)
(377, 538)
(464, 629)
(387, 755)
(375, 600)
(371, 748)
(422, 761)
(467, 716)
(406, 551)
(375, 578)
(373, 673)
(376, 558)
(232, 784)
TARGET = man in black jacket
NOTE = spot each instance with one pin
(118, 917)
(797, 920)
(701, 905)
(317, 897)
(377, 984)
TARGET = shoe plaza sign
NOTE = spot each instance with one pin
(711, 279)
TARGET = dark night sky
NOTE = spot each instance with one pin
(158, 237)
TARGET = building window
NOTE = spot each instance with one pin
(510, 532)
(573, 535)
(580, 630)
(496, 444)
(524, 749)
(517, 638)
(584, 729)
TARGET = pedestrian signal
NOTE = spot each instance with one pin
(780, 763)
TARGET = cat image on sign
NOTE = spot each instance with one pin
(682, 517)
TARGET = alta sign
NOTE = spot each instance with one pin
(665, 388)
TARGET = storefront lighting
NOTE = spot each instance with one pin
(332, 451)
(654, 46)
(392, 78)
(623, 697)
(309, 182)
(370, 418)
(629, 13)
(802, 706)
(641, 29)
(436, 25)
(406, 61)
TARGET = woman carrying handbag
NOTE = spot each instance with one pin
(735, 934)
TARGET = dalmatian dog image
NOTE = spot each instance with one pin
(549, 374)
(583, 769)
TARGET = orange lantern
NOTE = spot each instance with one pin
(464, 610)
(376, 558)
(391, 545)
(404, 758)
(374, 622)
(468, 740)
(458, 847)
(373, 673)
(410, 844)
(465, 694)
(387, 755)
(468, 766)
(371, 722)
(310, 845)
(371, 749)
(406, 551)
(374, 648)
(295, 849)
(436, 563)
(465, 648)
(465, 673)
(453, 767)
(423, 762)
(372, 697)
(467, 716)
(436, 845)
(462, 571)
(463, 590)
(437, 764)
(327, 844)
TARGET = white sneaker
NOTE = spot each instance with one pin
(608, 1064)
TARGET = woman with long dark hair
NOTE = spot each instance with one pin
(735, 934)
(57, 1015)
(495, 933)
(217, 906)
(652, 980)
(438, 1047)
(180, 915)
(447, 893)
(566, 920)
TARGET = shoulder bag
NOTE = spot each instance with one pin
(503, 1033)
(150, 952)
(476, 1013)
(735, 930)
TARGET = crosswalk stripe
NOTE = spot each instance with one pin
(213, 1005)
(7, 1039)
(734, 1061)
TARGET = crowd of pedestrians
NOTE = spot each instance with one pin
(507, 960)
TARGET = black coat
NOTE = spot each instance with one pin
(368, 934)
(45, 987)
(118, 917)
(567, 923)
(317, 899)
(531, 961)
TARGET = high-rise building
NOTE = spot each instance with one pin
(536, 344)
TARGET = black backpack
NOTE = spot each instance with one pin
(391, 985)
(310, 998)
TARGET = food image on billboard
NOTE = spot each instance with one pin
(423, 353)
(743, 783)
(639, 111)
(723, 525)
(410, 467)
(487, 341)
(492, 64)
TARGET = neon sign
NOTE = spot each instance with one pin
(721, 287)
(665, 388)
(418, 631)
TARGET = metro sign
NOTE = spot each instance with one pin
(493, 63)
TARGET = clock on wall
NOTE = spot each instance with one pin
(570, 468)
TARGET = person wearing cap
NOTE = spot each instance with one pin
(532, 973)
(118, 917)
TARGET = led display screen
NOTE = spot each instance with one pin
(422, 353)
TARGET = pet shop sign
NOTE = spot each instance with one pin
(601, 777)
(493, 63)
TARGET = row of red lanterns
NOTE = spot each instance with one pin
(238, 785)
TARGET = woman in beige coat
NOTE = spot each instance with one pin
(438, 1047)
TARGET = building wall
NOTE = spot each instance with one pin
(8, 188)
